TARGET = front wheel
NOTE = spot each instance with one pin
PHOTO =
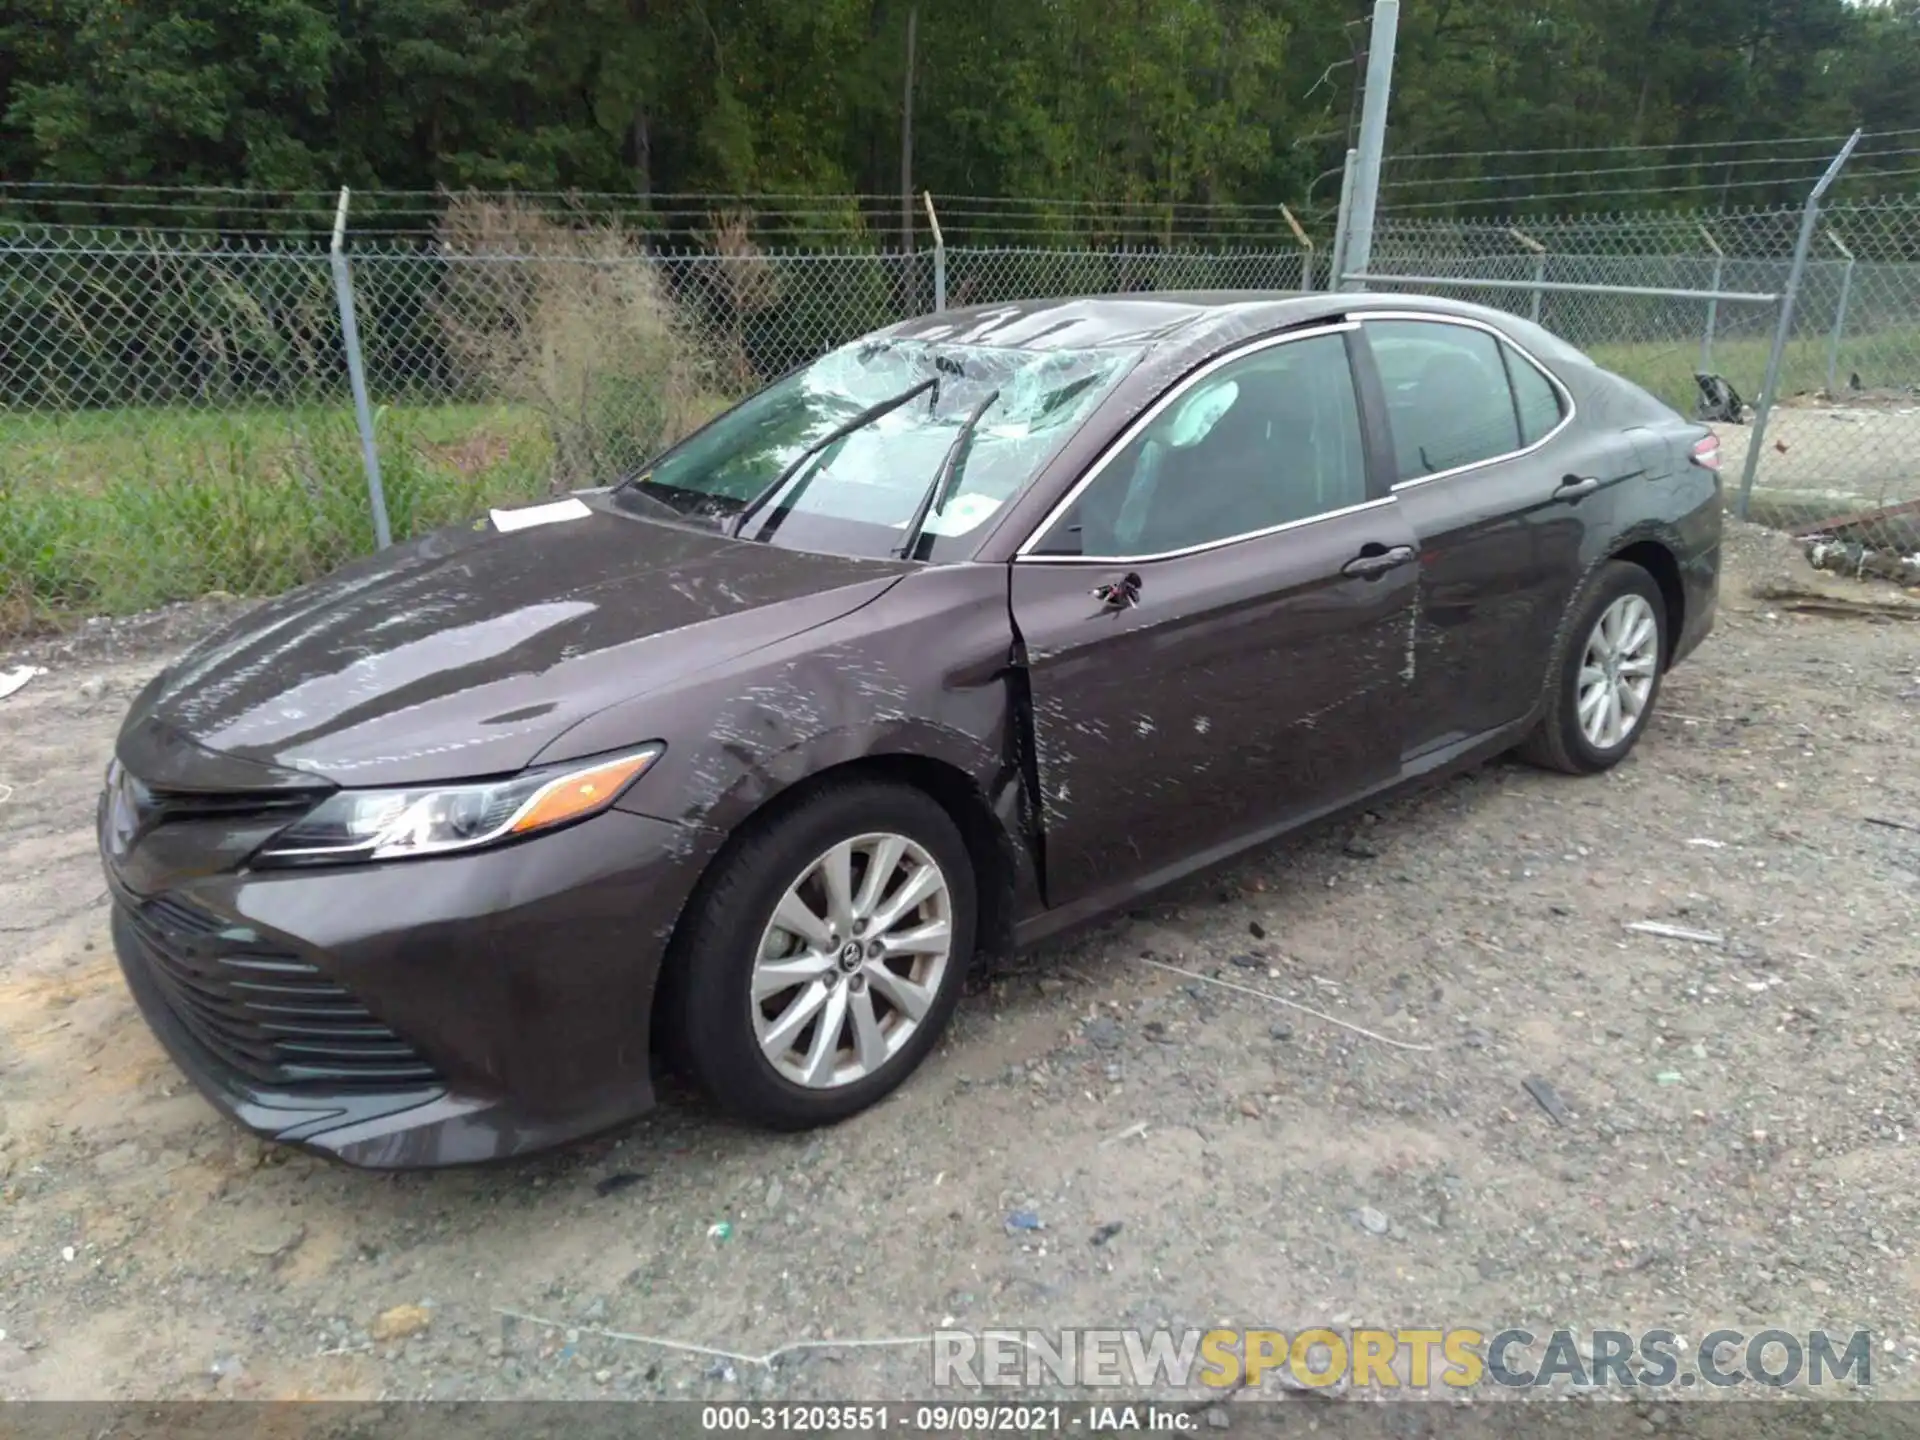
(827, 955)
(1608, 675)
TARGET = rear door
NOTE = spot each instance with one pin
(1216, 620)
(1501, 489)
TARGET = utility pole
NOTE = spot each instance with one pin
(1373, 136)
(906, 135)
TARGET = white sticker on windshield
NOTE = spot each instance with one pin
(528, 515)
(963, 512)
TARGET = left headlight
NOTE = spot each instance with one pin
(353, 825)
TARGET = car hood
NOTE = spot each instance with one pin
(467, 652)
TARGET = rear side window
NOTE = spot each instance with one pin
(1534, 396)
(1448, 400)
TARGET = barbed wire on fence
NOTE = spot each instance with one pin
(175, 416)
(662, 221)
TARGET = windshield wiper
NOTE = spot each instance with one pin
(839, 432)
(940, 490)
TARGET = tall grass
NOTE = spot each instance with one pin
(110, 514)
(595, 367)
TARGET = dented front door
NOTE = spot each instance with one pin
(1188, 703)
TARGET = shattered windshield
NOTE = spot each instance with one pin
(858, 494)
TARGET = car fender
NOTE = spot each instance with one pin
(921, 671)
(1609, 548)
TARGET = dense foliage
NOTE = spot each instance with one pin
(1163, 100)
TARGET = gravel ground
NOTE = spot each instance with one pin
(1737, 1145)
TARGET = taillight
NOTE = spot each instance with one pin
(1706, 453)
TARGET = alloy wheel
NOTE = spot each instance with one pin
(851, 961)
(1617, 672)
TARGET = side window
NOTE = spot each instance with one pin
(1447, 395)
(1534, 396)
(1270, 438)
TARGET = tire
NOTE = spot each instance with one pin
(720, 1027)
(1561, 741)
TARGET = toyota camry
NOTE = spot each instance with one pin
(972, 630)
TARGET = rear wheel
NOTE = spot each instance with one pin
(827, 955)
(1608, 674)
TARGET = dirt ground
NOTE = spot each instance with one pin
(1737, 1148)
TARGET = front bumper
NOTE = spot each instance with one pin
(443, 1011)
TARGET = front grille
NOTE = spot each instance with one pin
(150, 807)
(272, 1016)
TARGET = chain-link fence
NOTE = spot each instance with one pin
(176, 415)
(1839, 461)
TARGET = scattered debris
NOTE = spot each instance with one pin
(766, 1361)
(12, 680)
(1669, 1077)
(273, 1240)
(1103, 1032)
(1138, 1128)
(228, 1367)
(1675, 932)
(615, 1183)
(1256, 929)
(1290, 1004)
(1106, 1232)
(1891, 823)
(721, 1230)
(1706, 844)
(1806, 598)
(1860, 561)
(1025, 1220)
(1280, 1030)
(1547, 1098)
(400, 1322)
(1248, 962)
(1719, 400)
(1371, 1220)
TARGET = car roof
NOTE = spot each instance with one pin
(1185, 322)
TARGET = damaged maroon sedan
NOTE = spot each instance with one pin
(969, 631)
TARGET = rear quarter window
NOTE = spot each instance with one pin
(1535, 397)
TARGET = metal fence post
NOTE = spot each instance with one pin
(1839, 317)
(1539, 269)
(1306, 249)
(1809, 217)
(1713, 306)
(356, 373)
(939, 255)
(1337, 272)
(1373, 134)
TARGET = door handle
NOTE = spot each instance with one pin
(1371, 566)
(1573, 487)
(1121, 594)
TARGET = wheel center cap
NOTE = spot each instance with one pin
(850, 957)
